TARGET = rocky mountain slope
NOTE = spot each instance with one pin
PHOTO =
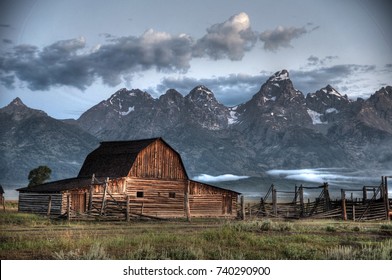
(29, 138)
(279, 127)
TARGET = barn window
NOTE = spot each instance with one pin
(172, 195)
(140, 194)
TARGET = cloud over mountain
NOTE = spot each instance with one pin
(231, 38)
(73, 63)
(70, 63)
(281, 37)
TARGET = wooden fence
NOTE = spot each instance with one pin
(373, 204)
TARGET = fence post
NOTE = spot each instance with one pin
(301, 200)
(274, 202)
(187, 207)
(104, 196)
(326, 197)
(386, 198)
(344, 211)
(186, 202)
(49, 205)
(127, 214)
(364, 195)
(2, 201)
(353, 212)
(296, 194)
(242, 208)
(90, 197)
(68, 206)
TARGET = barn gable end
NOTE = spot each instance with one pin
(158, 160)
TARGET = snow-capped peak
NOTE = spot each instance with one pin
(17, 102)
(330, 90)
(201, 93)
(279, 76)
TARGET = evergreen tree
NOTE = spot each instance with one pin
(39, 175)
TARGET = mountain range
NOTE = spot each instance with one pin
(279, 127)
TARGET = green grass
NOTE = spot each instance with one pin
(27, 236)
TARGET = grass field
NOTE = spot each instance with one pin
(27, 236)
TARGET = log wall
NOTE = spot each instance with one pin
(208, 201)
(38, 203)
(158, 198)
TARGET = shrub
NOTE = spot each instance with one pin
(96, 252)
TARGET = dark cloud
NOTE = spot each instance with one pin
(55, 65)
(314, 79)
(125, 55)
(7, 81)
(230, 90)
(69, 63)
(7, 41)
(315, 61)
(231, 39)
(238, 88)
(281, 37)
(5, 26)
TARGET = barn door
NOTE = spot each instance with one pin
(226, 204)
(79, 202)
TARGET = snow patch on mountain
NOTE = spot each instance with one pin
(233, 117)
(331, 110)
(280, 76)
(130, 109)
(315, 117)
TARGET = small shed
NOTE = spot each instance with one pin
(131, 178)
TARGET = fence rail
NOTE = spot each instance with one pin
(374, 204)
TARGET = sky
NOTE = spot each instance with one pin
(64, 57)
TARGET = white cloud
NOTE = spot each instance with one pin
(219, 178)
(336, 176)
(228, 39)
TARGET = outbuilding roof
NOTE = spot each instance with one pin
(61, 185)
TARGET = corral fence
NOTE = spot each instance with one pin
(368, 203)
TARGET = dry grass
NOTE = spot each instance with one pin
(26, 236)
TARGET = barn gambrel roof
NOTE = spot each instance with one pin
(115, 159)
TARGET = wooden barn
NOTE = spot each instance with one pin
(125, 179)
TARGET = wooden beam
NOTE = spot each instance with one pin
(186, 202)
(242, 208)
(3, 201)
(274, 202)
(127, 215)
(353, 212)
(301, 200)
(344, 210)
(387, 208)
(364, 195)
(187, 207)
(104, 196)
(68, 206)
(326, 197)
(49, 205)
(90, 197)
